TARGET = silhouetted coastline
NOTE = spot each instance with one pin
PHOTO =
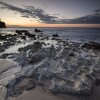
(2, 25)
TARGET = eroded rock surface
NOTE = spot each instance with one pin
(69, 66)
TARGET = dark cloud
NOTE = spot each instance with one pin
(97, 11)
(32, 12)
(89, 19)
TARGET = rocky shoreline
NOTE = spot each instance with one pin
(60, 66)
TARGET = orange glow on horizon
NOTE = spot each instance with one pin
(55, 25)
(24, 22)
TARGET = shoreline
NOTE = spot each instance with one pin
(67, 66)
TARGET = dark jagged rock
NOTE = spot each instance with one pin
(55, 35)
(23, 37)
(2, 24)
(2, 37)
(7, 40)
(69, 68)
(36, 58)
(18, 32)
(92, 45)
(31, 36)
(25, 33)
(37, 30)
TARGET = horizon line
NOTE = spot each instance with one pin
(58, 25)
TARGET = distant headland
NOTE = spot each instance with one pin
(2, 24)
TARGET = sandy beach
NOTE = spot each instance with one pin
(39, 94)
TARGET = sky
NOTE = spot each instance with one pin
(51, 13)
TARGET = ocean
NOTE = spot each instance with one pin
(78, 34)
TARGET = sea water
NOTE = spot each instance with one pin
(80, 34)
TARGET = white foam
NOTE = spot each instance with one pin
(14, 49)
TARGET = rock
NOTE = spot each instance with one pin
(92, 45)
(71, 87)
(3, 56)
(22, 59)
(18, 32)
(37, 30)
(31, 36)
(23, 37)
(25, 33)
(71, 69)
(22, 32)
(2, 49)
(30, 87)
(55, 35)
(31, 48)
(36, 58)
(20, 85)
(3, 93)
(3, 37)
(2, 24)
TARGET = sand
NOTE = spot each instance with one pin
(5, 65)
(96, 94)
(39, 94)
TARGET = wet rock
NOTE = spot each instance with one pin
(23, 37)
(55, 35)
(31, 48)
(92, 45)
(2, 49)
(71, 54)
(21, 32)
(37, 30)
(22, 59)
(37, 45)
(4, 56)
(71, 69)
(11, 87)
(36, 58)
(22, 84)
(2, 37)
(71, 87)
(31, 36)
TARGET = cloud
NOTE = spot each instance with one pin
(97, 11)
(42, 16)
(88, 19)
(30, 11)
